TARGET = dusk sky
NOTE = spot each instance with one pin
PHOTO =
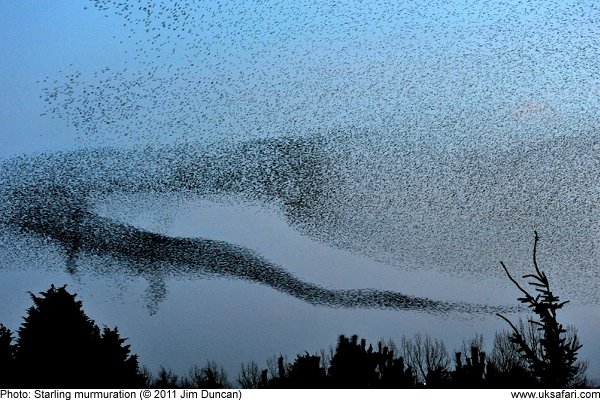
(339, 152)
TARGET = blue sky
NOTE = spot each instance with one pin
(462, 78)
(265, 68)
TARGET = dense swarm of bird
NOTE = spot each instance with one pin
(445, 132)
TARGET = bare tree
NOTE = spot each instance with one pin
(211, 376)
(505, 354)
(250, 376)
(426, 356)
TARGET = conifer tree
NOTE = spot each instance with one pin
(59, 346)
(553, 359)
(6, 357)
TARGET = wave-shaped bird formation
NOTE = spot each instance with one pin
(426, 136)
(412, 206)
(52, 196)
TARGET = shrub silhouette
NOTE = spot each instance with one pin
(211, 376)
(166, 379)
(355, 366)
(470, 374)
(58, 345)
(352, 366)
(553, 359)
(306, 372)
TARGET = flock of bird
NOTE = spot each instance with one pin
(425, 135)
(191, 69)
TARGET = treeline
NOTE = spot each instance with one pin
(59, 346)
(419, 362)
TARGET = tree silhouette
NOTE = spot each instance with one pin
(166, 379)
(211, 376)
(306, 372)
(429, 360)
(118, 367)
(58, 345)
(352, 365)
(251, 377)
(505, 367)
(6, 357)
(553, 359)
(469, 374)
(278, 368)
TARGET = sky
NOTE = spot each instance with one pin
(443, 135)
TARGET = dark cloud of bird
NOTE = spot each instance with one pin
(52, 197)
(426, 135)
